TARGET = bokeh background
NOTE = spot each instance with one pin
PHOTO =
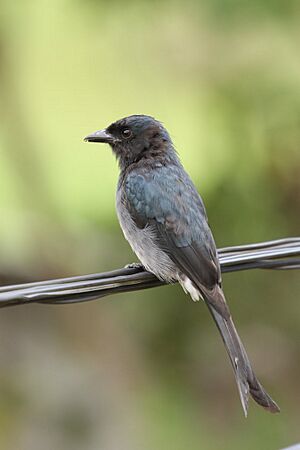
(145, 370)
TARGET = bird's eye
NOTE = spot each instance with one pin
(126, 133)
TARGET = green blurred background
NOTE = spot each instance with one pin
(145, 370)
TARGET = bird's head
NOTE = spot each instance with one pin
(135, 137)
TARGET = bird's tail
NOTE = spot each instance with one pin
(244, 374)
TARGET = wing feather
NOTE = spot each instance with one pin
(175, 210)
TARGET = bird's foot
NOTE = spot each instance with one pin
(135, 265)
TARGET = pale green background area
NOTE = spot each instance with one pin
(145, 370)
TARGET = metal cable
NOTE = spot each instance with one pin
(277, 254)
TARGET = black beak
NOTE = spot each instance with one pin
(100, 136)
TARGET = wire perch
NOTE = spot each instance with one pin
(278, 254)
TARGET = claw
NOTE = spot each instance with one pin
(135, 265)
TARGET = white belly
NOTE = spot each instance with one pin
(142, 242)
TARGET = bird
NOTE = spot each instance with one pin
(164, 219)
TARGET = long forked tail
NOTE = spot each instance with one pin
(244, 374)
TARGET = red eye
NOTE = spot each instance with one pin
(126, 133)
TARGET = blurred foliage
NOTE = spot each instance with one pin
(145, 370)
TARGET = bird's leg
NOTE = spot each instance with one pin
(135, 265)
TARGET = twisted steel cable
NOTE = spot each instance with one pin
(278, 254)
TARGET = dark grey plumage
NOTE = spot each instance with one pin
(164, 220)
